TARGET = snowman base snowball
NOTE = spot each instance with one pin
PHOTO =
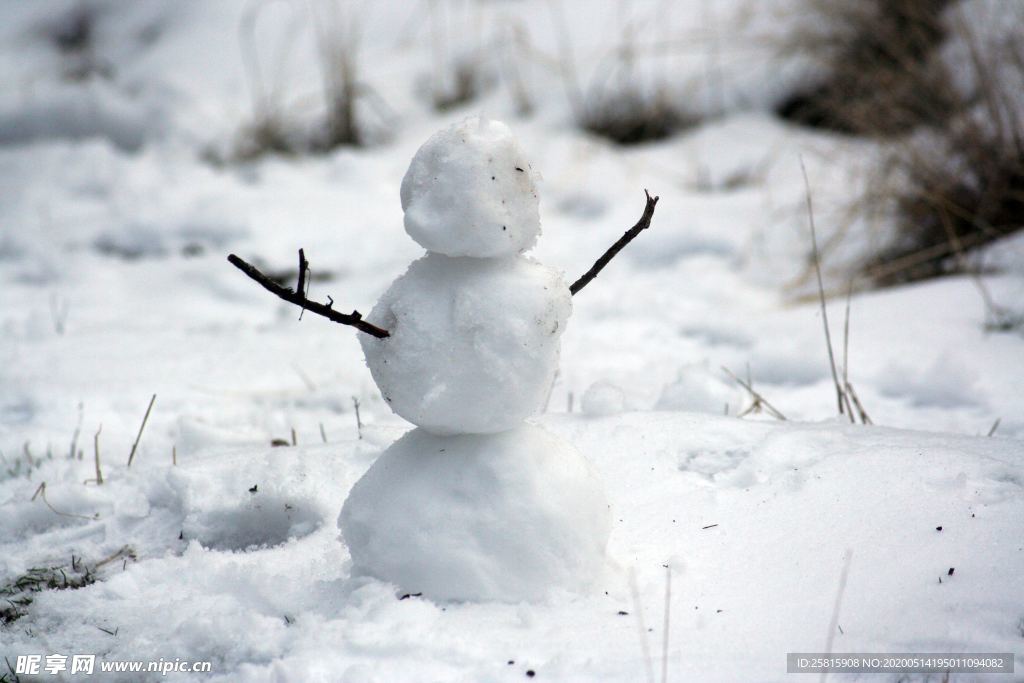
(504, 517)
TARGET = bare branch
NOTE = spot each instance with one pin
(642, 224)
(354, 319)
(303, 270)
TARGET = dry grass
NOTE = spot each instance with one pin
(758, 402)
(338, 37)
(628, 116)
(960, 186)
(953, 126)
(17, 593)
(465, 85)
(620, 102)
(23, 465)
(879, 75)
(353, 114)
(968, 197)
(462, 58)
(73, 33)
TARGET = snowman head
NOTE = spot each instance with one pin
(470, 192)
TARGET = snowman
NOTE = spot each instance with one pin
(474, 503)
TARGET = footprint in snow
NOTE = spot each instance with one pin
(265, 522)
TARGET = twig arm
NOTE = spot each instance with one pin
(629, 236)
(300, 288)
(354, 319)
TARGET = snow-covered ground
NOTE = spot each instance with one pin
(114, 228)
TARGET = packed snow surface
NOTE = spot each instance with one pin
(509, 516)
(474, 342)
(469, 191)
(752, 519)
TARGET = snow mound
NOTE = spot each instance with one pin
(603, 398)
(470, 192)
(505, 517)
(78, 112)
(700, 390)
(474, 342)
(267, 522)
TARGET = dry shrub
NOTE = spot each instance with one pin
(353, 112)
(341, 90)
(961, 186)
(945, 96)
(629, 116)
(878, 72)
(465, 83)
(625, 101)
(956, 191)
(73, 33)
(462, 59)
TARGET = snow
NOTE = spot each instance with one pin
(787, 501)
(469, 191)
(113, 286)
(699, 389)
(474, 342)
(511, 516)
(603, 398)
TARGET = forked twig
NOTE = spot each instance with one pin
(298, 297)
(629, 236)
(303, 285)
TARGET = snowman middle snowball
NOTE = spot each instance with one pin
(474, 324)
